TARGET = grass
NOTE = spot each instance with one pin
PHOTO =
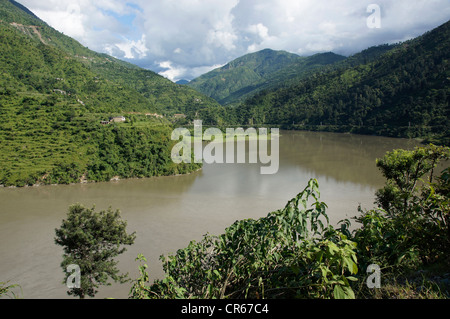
(430, 282)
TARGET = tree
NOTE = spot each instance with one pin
(416, 215)
(91, 241)
(404, 170)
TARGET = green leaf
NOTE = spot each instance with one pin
(340, 292)
(295, 269)
(351, 266)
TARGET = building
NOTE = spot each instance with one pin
(119, 119)
(154, 115)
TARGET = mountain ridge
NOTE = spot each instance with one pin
(250, 73)
(401, 90)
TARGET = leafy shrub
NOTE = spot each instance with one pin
(411, 226)
(289, 253)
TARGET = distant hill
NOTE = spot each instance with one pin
(253, 72)
(182, 81)
(401, 90)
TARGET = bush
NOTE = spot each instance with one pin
(289, 253)
(294, 253)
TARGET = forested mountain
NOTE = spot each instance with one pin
(395, 91)
(57, 98)
(255, 71)
(54, 96)
(41, 48)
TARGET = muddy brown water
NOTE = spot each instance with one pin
(168, 212)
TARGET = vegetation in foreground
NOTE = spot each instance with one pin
(53, 98)
(295, 253)
(91, 241)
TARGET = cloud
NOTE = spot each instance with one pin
(171, 72)
(181, 38)
(129, 49)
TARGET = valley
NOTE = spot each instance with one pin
(79, 126)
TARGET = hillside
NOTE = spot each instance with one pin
(160, 93)
(54, 96)
(249, 74)
(403, 92)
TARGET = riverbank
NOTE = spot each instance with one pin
(169, 212)
(114, 179)
(424, 135)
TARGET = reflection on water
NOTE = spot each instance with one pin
(168, 212)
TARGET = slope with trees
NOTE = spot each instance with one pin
(253, 72)
(54, 96)
(402, 93)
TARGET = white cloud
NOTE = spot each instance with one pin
(194, 35)
(259, 29)
(69, 19)
(133, 49)
(177, 72)
(171, 72)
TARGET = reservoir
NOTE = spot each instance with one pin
(168, 212)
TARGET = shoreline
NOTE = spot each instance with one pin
(114, 179)
(237, 138)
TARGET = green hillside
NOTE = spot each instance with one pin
(160, 94)
(255, 71)
(54, 95)
(403, 92)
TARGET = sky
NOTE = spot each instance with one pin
(183, 39)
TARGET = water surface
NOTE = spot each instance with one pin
(168, 212)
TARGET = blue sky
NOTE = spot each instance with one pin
(186, 38)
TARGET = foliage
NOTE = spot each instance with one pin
(91, 240)
(49, 140)
(289, 253)
(294, 253)
(8, 290)
(411, 226)
(403, 170)
(54, 93)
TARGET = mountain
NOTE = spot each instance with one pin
(57, 99)
(144, 89)
(255, 71)
(401, 90)
(182, 81)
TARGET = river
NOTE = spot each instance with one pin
(168, 212)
